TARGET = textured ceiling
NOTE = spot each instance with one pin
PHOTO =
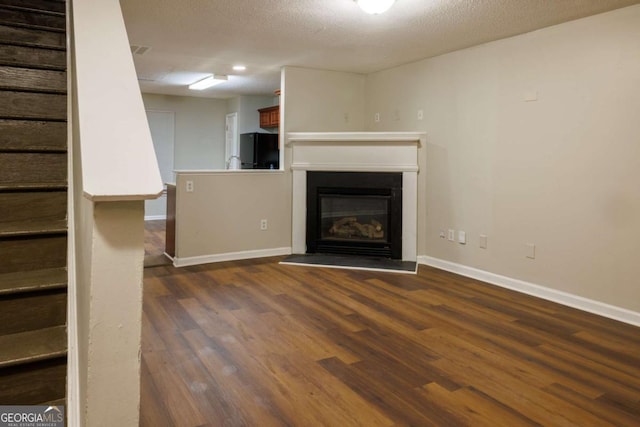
(192, 38)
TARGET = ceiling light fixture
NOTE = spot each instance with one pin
(375, 7)
(207, 82)
(239, 68)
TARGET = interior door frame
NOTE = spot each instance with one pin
(231, 148)
(168, 177)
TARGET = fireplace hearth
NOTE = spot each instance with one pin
(357, 213)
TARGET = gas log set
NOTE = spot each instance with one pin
(349, 228)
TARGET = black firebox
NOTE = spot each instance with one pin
(357, 213)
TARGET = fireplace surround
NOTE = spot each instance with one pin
(378, 152)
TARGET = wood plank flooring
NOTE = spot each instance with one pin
(255, 343)
(154, 232)
(154, 244)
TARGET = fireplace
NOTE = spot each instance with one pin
(375, 153)
(358, 213)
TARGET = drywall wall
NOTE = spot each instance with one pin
(199, 129)
(531, 140)
(248, 115)
(116, 312)
(223, 213)
(111, 117)
(320, 101)
(323, 101)
(113, 171)
(220, 219)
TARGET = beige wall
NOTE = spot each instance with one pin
(113, 170)
(114, 301)
(248, 115)
(323, 101)
(561, 172)
(222, 216)
(199, 129)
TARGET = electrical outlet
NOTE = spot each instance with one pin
(376, 117)
(263, 224)
(189, 187)
(420, 114)
(452, 235)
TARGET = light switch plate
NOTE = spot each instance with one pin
(530, 251)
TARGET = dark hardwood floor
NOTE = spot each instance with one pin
(255, 343)
(154, 243)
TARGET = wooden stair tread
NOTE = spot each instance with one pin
(34, 186)
(32, 37)
(32, 18)
(31, 346)
(25, 228)
(25, 168)
(25, 135)
(33, 57)
(32, 80)
(30, 105)
(29, 281)
(32, 148)
(38, 5)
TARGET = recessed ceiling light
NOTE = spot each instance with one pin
(207, 82)
(239, 67)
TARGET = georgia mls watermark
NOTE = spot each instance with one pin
(32, 416)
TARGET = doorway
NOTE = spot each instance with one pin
(232, 152)
(162, 128)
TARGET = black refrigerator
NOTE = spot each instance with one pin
(259, 151)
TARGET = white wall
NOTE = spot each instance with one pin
(199, 129)
(561, 172)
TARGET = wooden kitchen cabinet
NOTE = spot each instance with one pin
(270, 117)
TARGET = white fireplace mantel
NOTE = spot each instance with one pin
(357, 152)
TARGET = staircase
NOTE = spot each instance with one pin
(33, 202)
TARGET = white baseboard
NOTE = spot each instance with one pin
(230, 256)
(154, 217)
(564, 298)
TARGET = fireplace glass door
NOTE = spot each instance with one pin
(354, 218)
(355, 213)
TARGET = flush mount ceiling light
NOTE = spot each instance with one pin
(207, 82)
(375, 7)
(239, 68)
